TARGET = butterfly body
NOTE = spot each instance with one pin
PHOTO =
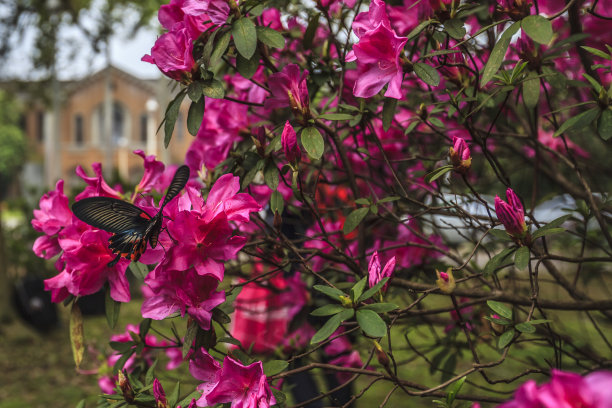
(132, 227)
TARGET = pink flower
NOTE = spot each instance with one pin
(377, 53)
(374, 272)
(181, 291)
(172, 53)
(289, 88)
(243, 386)
(84, 263)
(565, 390)
(340, 352)
(96, 186)
(153, 170)
(290, 144)
(216, 10)
(378, 61)
(53, 215)
(511, 214)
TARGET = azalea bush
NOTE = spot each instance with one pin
(401, 204)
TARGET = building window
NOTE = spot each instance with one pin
(118, 125)
(143, 127)
(78, 129)
(40, 126)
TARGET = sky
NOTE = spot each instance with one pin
(76, 57)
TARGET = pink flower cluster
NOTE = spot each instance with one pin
(188, 269)
(242, 386)
(565, 390)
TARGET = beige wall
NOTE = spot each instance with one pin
(86, 98)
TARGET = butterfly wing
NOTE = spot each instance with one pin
(129, 224)
(110, 214)
(178, 182)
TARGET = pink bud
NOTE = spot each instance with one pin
(160, 395)
(460, 155)
(511, 214)
(290, 145)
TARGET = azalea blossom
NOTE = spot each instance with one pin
(375, 274)
(378, 54)
(173, 53)
(290, 145)
(242, 386)
(181, 291)
(289, 89)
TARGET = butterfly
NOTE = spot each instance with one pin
(131, 226)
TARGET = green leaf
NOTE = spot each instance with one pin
(505, 338)
(427, 73)
(279, 396)
(327, 310)
(388, 112)
(363, 201)
(274, 367)
(388, 199)
(247, 66)
(521, 258)
(313, 142)
(436, 122)
(380, 307)
(271, 175)
(454, 28)
(174, 395)
(437, 173)
(373, 290)
(597, 52)
(81, 404)
(111, 307)
(329, 291)
(190, 335)
(500, 309)
(531, 90)
(538, 28)
(220, 47)
(596, 85)
(525, 327)
(139, 270)
(187, 400)
(150, 375)
(270, 37)
(604, 124)
(336, 116)
(229, 340)
(497, 55)
(354, 219)
(170, 116)
(331, 325)
(415, 31)
(497, 260)
(548, 231)
(454, 390)
(358, 288)
(539, 321)
(500, 234)
(77, 340)
(245, 37)
(194, 91)
(311, 29)
(579, 121)
(195, 115)
(277, 202)
(213, 89)
(371, 323)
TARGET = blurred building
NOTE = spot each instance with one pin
(101, 118)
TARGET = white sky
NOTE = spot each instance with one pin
(76, 56)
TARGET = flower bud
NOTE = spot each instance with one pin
(460, 155)
(511, 214)
(290, 144)
(160, 395)
(383, 359)
(446, 281)
(126, 387)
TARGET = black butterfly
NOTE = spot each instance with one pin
(131, 226)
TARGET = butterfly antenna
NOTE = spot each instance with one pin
(170, 235)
